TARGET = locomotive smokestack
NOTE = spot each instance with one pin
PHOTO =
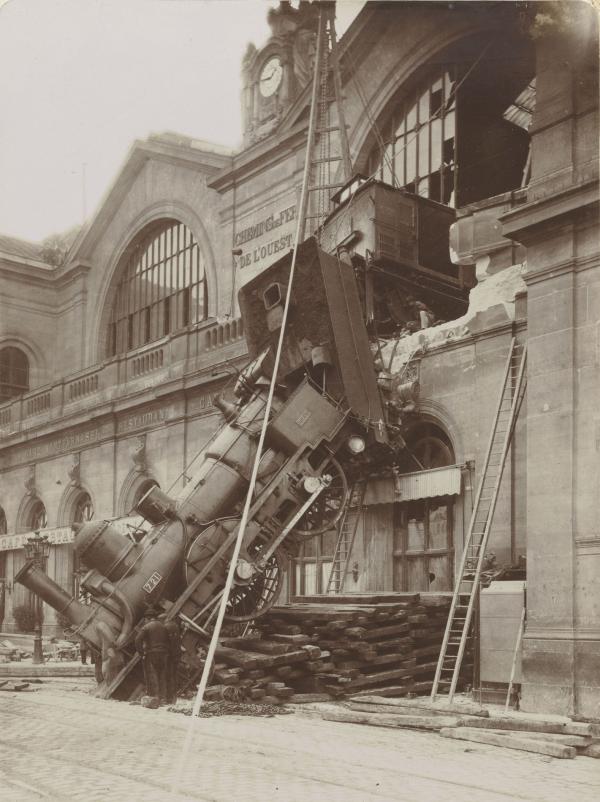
(88, 620)
(34, 579)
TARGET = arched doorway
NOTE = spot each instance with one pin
(424, 521)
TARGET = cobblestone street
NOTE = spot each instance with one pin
(63, 745)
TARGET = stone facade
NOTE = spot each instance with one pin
(108, 425)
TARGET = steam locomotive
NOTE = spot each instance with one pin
(328, 421)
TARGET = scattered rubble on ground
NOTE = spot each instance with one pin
(210, 709)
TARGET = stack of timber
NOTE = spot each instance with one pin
(470, 722)
(264, 671)
(385, 644)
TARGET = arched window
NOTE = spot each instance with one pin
(419, 140)
(83, 510)
(37, 518)
(450, 135)
(162, 287)
(14, 373)
(424, 524)
(3, 526)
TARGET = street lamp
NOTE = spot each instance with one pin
(37, 550)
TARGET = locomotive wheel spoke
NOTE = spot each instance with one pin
(327, 509)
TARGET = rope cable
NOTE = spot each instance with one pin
(245, 514)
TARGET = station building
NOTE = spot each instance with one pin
(111, 353)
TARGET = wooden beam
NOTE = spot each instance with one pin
(508, 741)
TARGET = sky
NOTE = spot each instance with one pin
(80, 80)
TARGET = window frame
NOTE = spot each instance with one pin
(162, 287)
(408, 133)
(10, 386)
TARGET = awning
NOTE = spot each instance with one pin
(411, 486)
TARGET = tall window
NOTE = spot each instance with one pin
(3, 527)
(162, 288)
(37, 518)
(14, 373)
(313, 564)
(83, 512)
(84, 509)
(418, 150)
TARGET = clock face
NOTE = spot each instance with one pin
(270, 77)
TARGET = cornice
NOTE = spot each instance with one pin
(526, 222)
(575, 264)
(22, 261)
(57, 277)
(254, 159)
(561, 633)
(28, 272)
(110, 412)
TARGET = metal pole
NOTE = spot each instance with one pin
(515, 655)
(38, 650)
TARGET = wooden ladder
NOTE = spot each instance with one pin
(327, 112)
(467, 586)
(346, 535)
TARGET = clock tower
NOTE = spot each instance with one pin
(274, 76)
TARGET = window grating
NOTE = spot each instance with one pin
(162, 288)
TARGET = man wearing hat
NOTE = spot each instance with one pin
(152, 643)
(174, 633)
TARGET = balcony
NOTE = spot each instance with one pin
(184, 354)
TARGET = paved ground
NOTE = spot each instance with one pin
(61, 744)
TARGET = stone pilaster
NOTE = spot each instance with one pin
(562, 638)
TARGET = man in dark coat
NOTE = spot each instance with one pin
(174, 633)
(152, 643)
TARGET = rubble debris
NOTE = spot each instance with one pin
(211, 709)
(12, 686)
(497, 292)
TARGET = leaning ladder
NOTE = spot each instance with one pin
(467, 586)
(346, 534)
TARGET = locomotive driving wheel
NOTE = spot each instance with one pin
(326, 510)
(253, 592)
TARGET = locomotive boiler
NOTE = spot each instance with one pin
(327, 420)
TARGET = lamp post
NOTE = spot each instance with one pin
(37, 550)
